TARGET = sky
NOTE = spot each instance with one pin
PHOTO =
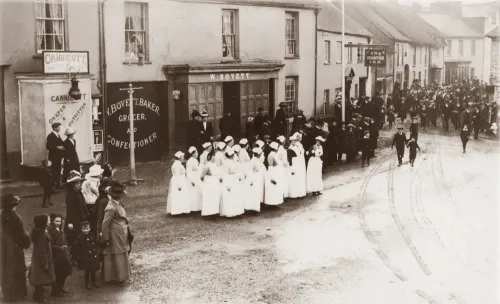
(427, 2)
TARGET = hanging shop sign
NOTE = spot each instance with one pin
(375, 58)
(230, 76)
(64, 62)
(98, 140)
(148, 115)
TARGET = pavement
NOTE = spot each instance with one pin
(379, 234)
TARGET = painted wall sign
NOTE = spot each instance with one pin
(375, 58)
(64, 62)
(98, 141)
(148, 117)
(230, 76)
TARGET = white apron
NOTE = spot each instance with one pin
(273, 189)
(211, 193)
(232, 202)
(176, 199)
(315, 171)
(194, 193)
(254, 186)
(295, 177)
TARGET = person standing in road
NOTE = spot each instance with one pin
(413, 145)
(414, 128)
(279, 123)
(55, 146)
(194, 130)
(446, 114)
(71, 160)
(60, 254)
(400, 142)
(464, 136)
(366, 149)
(207, 130)
(76, 209)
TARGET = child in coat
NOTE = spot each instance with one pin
(464, 136)
(366, 148)
(391, 117)
(60, 254)
(46, 182)
(85, 252)
(414, 129)
(413, 145)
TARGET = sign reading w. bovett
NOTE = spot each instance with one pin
(375, 58)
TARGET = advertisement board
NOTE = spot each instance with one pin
(65, 62)
(375, 58)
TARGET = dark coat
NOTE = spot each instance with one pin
(71, 161)
(46, 179)
(366, 147)
(60, 254)
(258, 123)
(299, 120)
(76, 212)
(13, 241)
(228, 126)
(206, 133)
(101, 203)
(279, 123)
(414, 130)
(42, 265)
(466, 119)
(413, 146)
(85, 252)
(194, 133)
(464, 136)
(54, 141)
(350, 142)
(400, 141)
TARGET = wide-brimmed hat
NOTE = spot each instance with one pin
(116, 189)
(95, 170)
(283, 104)
(74, 176)
(9, 201)
(69, 131)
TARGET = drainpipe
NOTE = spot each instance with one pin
(316, 11)
(102, 75)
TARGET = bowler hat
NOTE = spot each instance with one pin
(9, 201)
(55, 125)
(195, 113)
(116, 189)
(282, 104)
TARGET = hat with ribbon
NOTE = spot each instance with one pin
(95, 170)
(74, 176)
(69, 131)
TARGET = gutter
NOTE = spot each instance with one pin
(316, 12)
(102, 74)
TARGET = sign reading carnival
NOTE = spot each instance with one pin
(149, 106)
(375, 58)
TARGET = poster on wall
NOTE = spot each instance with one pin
(149, 119)
(76, 114)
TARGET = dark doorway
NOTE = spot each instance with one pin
(362, 86)
(231, 100)
(271, 98)
(407, 73)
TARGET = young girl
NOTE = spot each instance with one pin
(60, 254)
(273, 189)
(194, 184)
(232, 202)
(177, 190)
(314, 168)
(42, 266)
(464, 136)
(90, 187)
(254, 183)
(46, 182)
(211, 192)
(413, 145)
(85, 252)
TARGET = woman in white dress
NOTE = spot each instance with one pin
(194, 184)
(295, 167)
(302, 167)
(219, 154)
(207, 149)
(273, 189)
(315, 168)
(232, 202)
(284, 166)
(254, 182)
(211, 195)
(177, 190)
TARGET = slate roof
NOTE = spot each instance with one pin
(450, 26)
(299, 4)
(330, 19)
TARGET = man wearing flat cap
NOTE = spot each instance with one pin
(55, 146)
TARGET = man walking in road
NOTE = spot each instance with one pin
(400, 142)
(55, 145)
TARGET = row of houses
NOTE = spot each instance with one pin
(216, 55)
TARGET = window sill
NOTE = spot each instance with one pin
(292, 57)
(136, 63)
(326, 63)
(339, 62)
(38, 56)
(230, 60)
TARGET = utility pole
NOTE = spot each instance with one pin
(343, 63)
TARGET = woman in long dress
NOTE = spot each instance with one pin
(294, 160)
(211, 195)
(232, 202)
(219, 154)
(273, 189)
(302, 167)
(283, 165)
(207, 150)
(177, 191)
(315, 168)
(254, 182)
(194, 184)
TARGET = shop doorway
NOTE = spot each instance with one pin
(231, 101)
(362, 86)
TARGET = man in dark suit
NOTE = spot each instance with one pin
(55, 146)
(194, 130)
(258, 123)
(207, 130)
(228, 126)
(71, 160)
(400, 142)
(279, 123)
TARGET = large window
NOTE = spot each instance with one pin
(460, 47)
(291, 93)
(425, 55)
(349, 53)
(291, 34)
(229, 34)
(339, 51)
(414, 55)
(448, 47)
(360, 55)
(326, 102)
(420, 51)
(50, 19)
(136, 21)
(327, 52)
(397, 53)
(473, 47)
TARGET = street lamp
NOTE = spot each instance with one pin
(135, 49)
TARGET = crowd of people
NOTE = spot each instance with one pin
(94, 235)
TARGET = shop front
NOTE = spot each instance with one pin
(236, 88)
(149, 122)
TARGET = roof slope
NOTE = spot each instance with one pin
(494, 33)
(450, 26)
(299, 4)
(330, 19)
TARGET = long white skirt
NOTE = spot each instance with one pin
(273, 192)
(295, 179)
(177, 196)
(211, 196)
(253, 191)
(285, 172)
(194, 194)
(232, 202)
(302, 175)
(315, 175)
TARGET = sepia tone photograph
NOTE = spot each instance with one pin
(250, 151)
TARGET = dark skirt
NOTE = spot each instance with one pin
(15, 286)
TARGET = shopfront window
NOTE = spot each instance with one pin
(50, 22)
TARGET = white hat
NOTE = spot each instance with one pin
(274, 145)
(95, 170)
(191, 150)
(257, 150)
(243, 142)
(319, 138)
(228, 139)
(69, 131)
(204, 113)
(236, 148)
(229, 152)
(74, 176)
(249, 119)
(206, 145)
(221, 145)
(260, 143)
(294, 137)
(179, 154)
(281, 139)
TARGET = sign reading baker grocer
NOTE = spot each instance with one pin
(65, 62)
(375, 58)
